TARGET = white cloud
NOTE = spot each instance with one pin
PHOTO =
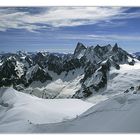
(113, 37)
(99, 37)
(60, 17)
(74, 16)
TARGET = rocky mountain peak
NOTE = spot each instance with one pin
(93, 62)
(79, 50)
(79, 46)
(115, 48)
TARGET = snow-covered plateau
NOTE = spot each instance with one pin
(94, 90)
(20, 112)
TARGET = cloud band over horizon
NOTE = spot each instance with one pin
(56, 26)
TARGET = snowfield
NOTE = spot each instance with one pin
(122, 79)
(119, 114)
(111, 110)
(118, 82)
(19, 111)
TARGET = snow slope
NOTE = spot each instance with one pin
(65, 86)
(119, 114)
(122, 79)
(19, 111)
(118, 82)
(113, 111)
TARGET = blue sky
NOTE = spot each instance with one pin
(58, 29)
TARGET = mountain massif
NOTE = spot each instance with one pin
(53, 75)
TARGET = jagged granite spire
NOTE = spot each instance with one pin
(79, 50)
(115, 48)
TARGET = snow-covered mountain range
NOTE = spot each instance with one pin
(84, 73)
(105, 78)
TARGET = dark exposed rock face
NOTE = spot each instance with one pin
(80, 48)
(98, 80)
(55, 64)
(8, 72)
(138, 58)
(40, 75)
(115, 48)
(8, 69)
(17, 69)
(89, 70)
